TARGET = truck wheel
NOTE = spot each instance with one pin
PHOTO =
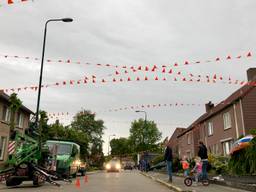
(12, 181)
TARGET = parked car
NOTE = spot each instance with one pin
(128, 166)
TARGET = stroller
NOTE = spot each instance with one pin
(188, 181)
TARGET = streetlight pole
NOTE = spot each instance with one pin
(41, 70)
(109, 141)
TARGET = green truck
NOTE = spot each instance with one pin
(67, 156)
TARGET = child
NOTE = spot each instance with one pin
(198, 168)
(185, 166)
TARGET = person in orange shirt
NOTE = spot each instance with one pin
(185, 166)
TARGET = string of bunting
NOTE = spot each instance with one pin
(93, 80)
(10, 2)
(137, 107)
(138, 67)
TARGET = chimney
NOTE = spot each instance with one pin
(251, 74)
(209, 106)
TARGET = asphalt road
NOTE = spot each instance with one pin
(126, 181)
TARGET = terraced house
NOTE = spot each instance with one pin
(222, 124)
(21, 120)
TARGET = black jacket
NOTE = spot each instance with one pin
(168, 154)
(202, 153)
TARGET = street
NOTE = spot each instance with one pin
(126, 181)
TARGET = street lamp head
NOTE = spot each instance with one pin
(67, 19)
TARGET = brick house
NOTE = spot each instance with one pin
(21, 120)
(173, 141)
(222, 124)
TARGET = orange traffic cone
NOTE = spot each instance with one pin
(85, 178)
(77, 182)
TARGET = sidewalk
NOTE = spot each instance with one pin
(178, 185)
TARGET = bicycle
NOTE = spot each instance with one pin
(188, 181)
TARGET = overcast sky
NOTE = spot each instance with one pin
(130, 33)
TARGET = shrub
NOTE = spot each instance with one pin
(218, 163)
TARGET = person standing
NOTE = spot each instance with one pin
(202, 153)
(168, 159)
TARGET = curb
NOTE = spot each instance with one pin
(170, 186)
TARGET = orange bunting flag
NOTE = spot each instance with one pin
(121, 80)
(249, 54)
(10, 1)
(156, 78)
(176, 64)
(114, 80)
(117, 73)
(217, 59)
(170, 71)
(137, 79)
(139, 68)
(146, 68)
(146, 78)
(164, 79)
(129, 79)
(186, 63)
(229, 57)
(239, 57)
(103, 81)
(163, 71)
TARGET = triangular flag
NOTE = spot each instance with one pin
(229, 57)
(163, 71)
(139, 68)
(249, 54)
(146, 68)
(217, 59)
(186, 63)
(170, 71)
(129, 79)
(114, 80)
(137, 79)
(146, 78)
(103, 81)
(10, 1)
(176, 64)
(238, 57)
(117, 73)
(156, 78)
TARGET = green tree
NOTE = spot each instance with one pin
(121, 146)
(85, 122)
(15, 105)
(144, 135)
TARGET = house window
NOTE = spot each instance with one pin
(20, 120)
(227, 120)
(6, 114)
(215, 149)
(210, 128)
(189, 138)
(226, 147)
(2, 147)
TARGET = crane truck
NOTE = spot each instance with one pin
(30, 161)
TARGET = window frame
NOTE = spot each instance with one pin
(6, 114)
(3, 141)
(210, 128)
(189, 138)
(227, 123)
(226, 144)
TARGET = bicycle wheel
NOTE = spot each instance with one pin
(188, 181)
